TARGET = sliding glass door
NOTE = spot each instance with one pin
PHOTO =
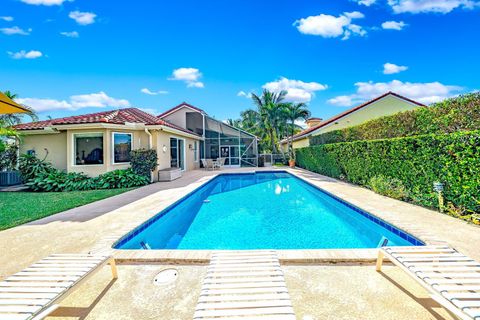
(177, 153)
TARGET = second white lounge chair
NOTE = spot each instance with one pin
(452, 279)
(35, 292)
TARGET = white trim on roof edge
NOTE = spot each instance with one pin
(326, 126)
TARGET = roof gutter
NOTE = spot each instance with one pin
(149, 138)
(175, 131)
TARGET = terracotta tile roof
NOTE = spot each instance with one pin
(121, 116)
(178, 107)
(349, 111)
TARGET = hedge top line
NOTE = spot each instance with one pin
(460, 113)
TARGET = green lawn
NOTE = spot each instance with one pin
(20, 207)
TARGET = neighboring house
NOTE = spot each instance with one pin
(100, 142)
(384, 105)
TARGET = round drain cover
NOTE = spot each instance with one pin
(165, 276)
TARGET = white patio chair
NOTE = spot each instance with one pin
(35, 292)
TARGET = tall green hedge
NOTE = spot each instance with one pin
(447, 116)
(453, 159)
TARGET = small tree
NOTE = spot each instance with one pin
(143, 161)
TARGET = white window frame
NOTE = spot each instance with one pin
(113, 146)
(74, 148)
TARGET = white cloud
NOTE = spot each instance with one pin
(15, 30)
(32, 54)
(297, 91)
(70, 34)
(436, 6)
(367, 3)
(341, 101)
(426, 93)
(190, 76)
(6, 18)
(393, 25)
(391, 68)
(244, 94)
(153, 93)
(83, 18)
(96, 100)
(44, 2)
(41, 105)
(328, 26)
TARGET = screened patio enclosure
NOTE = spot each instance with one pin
(238, 147)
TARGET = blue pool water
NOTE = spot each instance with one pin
(263, 210)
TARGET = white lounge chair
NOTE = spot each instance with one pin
(35, 292)
(208, 164)
(219, 163)
(244, 285)
(452, 279)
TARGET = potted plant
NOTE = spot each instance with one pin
(291, 158)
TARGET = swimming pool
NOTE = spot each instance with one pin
(263, 210)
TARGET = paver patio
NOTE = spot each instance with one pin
(316, 291)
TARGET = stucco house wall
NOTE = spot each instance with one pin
(55, 143)
(387, 106)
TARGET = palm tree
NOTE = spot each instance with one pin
(12, 119)
(269, 106)
(294, 112)
(236, 123)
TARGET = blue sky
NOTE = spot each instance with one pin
(73, 57)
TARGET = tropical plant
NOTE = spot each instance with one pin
(236, 123)
(270, 107)
(6, 130)
(294, 112)
(12, 119)
(143, 161)
(121, 179)
(30, 167)
(8, 157)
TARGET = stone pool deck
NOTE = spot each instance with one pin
(317, 291)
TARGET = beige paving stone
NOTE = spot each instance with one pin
(358, 292)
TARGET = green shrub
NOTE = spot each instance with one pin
(8, 157)
(121, 179)
(416, 161)
(56, 181)
(143, 161)
(31, 167)
(461, 113)
(390, 187)
(40, 175)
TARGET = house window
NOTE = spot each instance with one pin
(122, 145)
(88, 148)
(195, 151)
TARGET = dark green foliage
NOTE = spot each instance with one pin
(8, 157)
(121, 179)
(451, 115)
(40, 175)
(31, 167)
(143, 161)
(57, 181)
(417, 162)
